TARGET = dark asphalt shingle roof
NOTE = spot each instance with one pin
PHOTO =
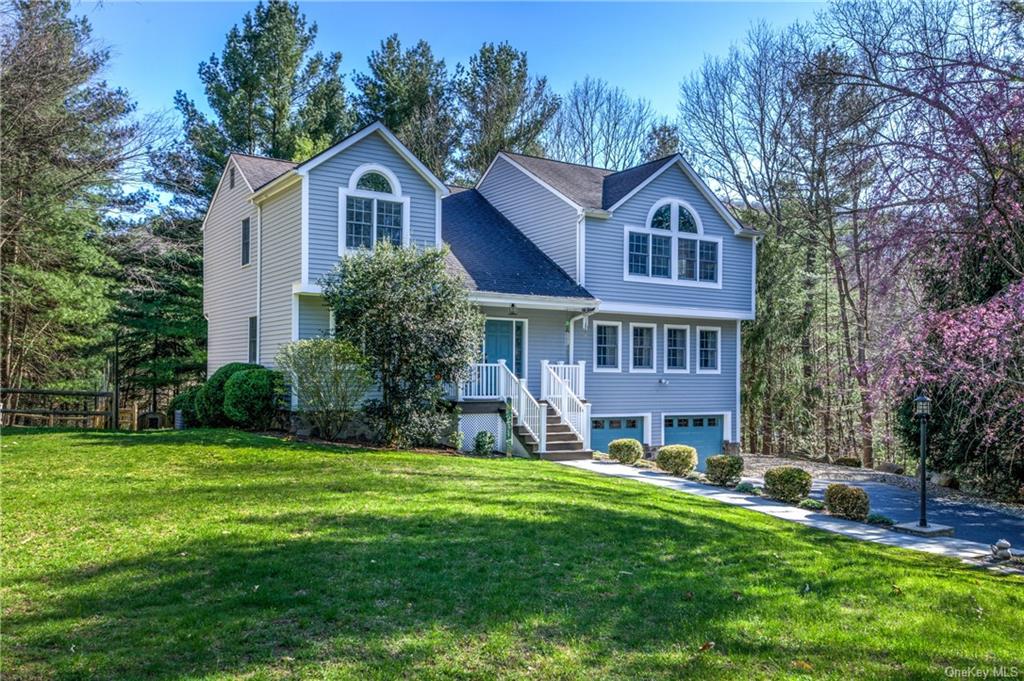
(617, 185)
(261, 170)
(489, 254)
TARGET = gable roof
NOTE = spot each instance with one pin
(489, 254)
(617, 185)
(261, 170)
(582, 185)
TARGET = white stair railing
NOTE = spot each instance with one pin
(484, 383)
(574, 411)
(572, 374)
(531, 414)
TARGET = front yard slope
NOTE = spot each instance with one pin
(218, 554)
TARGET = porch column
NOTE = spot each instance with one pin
(543, 379)
(583, 379)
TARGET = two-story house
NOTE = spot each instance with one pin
(613, 299)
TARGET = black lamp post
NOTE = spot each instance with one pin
(923, 410)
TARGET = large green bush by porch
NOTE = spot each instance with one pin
(415, 324)
(210, 398)
(252, 398)
(329, 379)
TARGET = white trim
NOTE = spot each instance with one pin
(530, 175)
(654, 348)
(437, 221)
(753, 279)
(675, 235)
(298, 288)
(343, 195)
(697, 182)
(216, 192)
(304, 230)
(646, 416)
(675, 202)
(618, 348)
(389, 137)
(357, 174)
(231, 160)
(725, 414)
(739, 350)
(276, 187)
(533, 302)
(295, 316)
(259, 278)
(670, 311)
(686, 352)
(526, 344)
(581, 248)
(718, 350)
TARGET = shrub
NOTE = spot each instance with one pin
(677, 459)
(329, 378)
(787, 483)
(724, 469)
(879, 519)
(848, 461)
(625, 450)
(210, 398)
(252, 398)
(746, 488)
(847, 502)
(186, 402)
(811, 505)
(483, 443)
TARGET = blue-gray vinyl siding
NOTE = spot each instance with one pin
(325, 181)
(314, 317)
(604, 253)
(628, 393)
(545, 219)
(281, 232)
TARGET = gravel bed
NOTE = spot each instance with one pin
(755, 466)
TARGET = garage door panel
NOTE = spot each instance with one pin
(604, 429)
(703, 433)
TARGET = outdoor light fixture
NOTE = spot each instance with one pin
(923, 410)
(512, 310)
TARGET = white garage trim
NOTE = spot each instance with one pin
(726, 420)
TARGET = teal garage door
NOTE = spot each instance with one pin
(703, 433)
(605, 429)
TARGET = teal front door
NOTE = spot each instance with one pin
(503, 340)
(703, 433)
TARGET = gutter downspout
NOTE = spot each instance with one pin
(581, 247)
(259, 279)
(572, 330)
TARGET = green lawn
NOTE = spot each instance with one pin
(223, 555)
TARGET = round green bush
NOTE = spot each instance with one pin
(847, 502)
(747, 488)
(625, 450)
(677, 459)
(848, 461)
(724, 469)
(186, 402)
(787, 483)
(210, 397)
(483, 443)
(811, 505)
(253, 397)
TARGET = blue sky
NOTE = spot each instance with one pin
(645, 48)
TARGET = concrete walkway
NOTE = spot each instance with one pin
(952, 547)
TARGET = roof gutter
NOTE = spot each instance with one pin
(279, 183)
(529, 302)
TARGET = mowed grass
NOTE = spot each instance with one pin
(224, 555)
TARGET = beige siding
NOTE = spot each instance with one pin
(229, 289)
(281, 232)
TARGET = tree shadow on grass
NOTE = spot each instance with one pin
(405, 594)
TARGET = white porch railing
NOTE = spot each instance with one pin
(495, 381)
(574, 411)
(572, 374)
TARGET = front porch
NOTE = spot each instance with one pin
(554, 425)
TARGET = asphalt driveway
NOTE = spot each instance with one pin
(971, 521)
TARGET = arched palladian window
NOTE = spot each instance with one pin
(672, 248)
(373, 210)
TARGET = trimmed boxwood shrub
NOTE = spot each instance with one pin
(186, 402)
(483, 443)
(811, 505)
(747, 488)
(848, 461)
(847, 502)
(677, 459)
(879, 519)
(253, 397)
(724, 469)
(787, 483)
(625, 450)
(210, 398)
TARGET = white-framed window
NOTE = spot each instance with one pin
(253, 340)
(642, 347)
(607, 346)
(246, 241)
(372, 209)
(677, 348)
(709, 350)
(671, 248)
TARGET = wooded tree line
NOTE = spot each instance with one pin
(877, 147)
